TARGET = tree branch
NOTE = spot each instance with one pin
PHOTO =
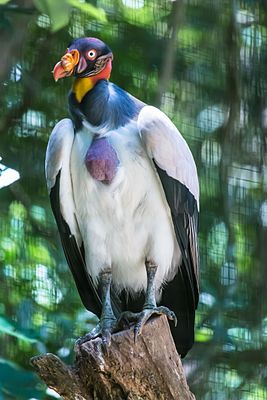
(169, 56)
(148, 369)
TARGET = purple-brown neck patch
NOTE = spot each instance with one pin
(101, 160)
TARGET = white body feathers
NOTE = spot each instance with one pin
(128, 221)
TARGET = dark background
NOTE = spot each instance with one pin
(204, 64)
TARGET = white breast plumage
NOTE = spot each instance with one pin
(127, 221)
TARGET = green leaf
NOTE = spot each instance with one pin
(4, 1)
(94, 12)
(17, 210)
(143, 16)
(10, 249)
(10, 329)
(58, 12)
(255, 391)
(203, 334)
(18, 383)
(39, 254)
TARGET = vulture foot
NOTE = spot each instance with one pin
(142, 317)
(104, 328)
(108, 322)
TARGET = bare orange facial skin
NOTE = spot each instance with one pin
(66, 65)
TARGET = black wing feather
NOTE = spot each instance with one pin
(182, 293)
(89, 294)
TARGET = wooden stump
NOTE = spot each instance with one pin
(149, 369)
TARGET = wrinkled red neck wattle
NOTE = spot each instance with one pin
(105, 73)
(101, 160)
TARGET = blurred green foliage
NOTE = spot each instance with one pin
(59, 12)
(215, 92)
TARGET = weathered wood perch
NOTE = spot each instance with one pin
(145, 370)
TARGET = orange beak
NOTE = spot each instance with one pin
(66, 65)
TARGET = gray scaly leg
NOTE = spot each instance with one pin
(150, 305)
(108, 323)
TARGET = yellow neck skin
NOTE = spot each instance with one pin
(81, 86)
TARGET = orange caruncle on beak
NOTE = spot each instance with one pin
(66, 65)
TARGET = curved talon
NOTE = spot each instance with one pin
(106, 337)
(169, 314)
(100, 330)
(137, 331)
(106, 340)
(142, 317)
(95, 332)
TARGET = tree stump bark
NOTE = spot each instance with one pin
(149, 369)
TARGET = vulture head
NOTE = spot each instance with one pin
(85, 57)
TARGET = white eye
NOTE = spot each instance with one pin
(92, 54)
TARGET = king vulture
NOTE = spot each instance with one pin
(124, 191)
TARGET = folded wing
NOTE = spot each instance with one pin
(177, 172)
(58, 176)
